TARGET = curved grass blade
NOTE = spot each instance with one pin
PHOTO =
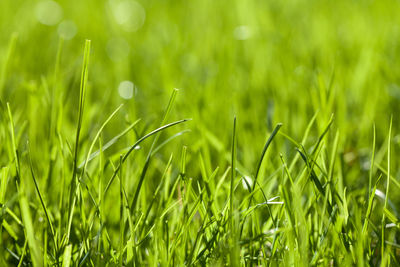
(136, 144)
(264, 151)
(147, 162)
(110, 143)
(321, 137)
(260, 161)
(97, 137)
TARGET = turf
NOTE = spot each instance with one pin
(199, 133)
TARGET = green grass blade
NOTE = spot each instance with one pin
(82, 95)
(136, 144)
(146, 164)
(385, 252)
(34, 247)
(67, 256)
(97, 137)
(42, 201)
(109, 143)
(233, 239)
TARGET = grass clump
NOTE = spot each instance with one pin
(279, 148)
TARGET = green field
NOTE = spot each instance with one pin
(200, 133)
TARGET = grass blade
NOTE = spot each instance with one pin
(146, 164)
(82, 95)
(234, 255)
(384, 252)
(136, 144)
(42, 201)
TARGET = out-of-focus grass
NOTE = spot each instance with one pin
(265, 62)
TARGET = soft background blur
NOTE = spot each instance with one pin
(263, 61)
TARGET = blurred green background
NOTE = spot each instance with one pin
(263, 61)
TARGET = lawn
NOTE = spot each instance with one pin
(199, 133)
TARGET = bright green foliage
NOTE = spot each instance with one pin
(278, 149)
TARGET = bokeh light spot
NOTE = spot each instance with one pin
(126, 89)
(129, 14)
(242, 32)
(48, 12)
(67, 29)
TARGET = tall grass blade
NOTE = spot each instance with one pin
(82, 95)
(385, 252)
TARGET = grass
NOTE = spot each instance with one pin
(278, 149)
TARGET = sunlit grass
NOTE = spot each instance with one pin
(278, 149)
